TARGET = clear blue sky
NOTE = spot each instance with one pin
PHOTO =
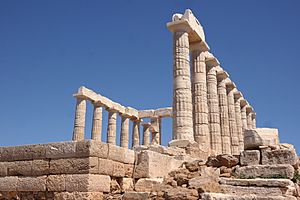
(123, 50)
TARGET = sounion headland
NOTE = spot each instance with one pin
(216, 151)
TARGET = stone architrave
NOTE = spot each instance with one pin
(199, 94)
(232, 119)
(238, 117)
(112, 126)
(249, 116)
(124, 136)
(244, 114)
(223, 104)
(79, 122)
(182, 96)
(136, 133)
(214, 111)
(254, 120)
(146, 133)
(97, 123)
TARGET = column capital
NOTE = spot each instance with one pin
(146, 124)
(237, 95)
(112, 110)
(229, 85)
(222, 75)
(201, 47)
(249, 109)
(211, 60)
(243, 102)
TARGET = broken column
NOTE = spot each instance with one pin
(79, 122)
(97, 123)
(238, 117)
(223, 105)
(213, 107)
(146, 133)
(124, 136)
(231, 118)
(112, 126)
(136, 133)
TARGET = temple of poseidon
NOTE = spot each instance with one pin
(216, 151)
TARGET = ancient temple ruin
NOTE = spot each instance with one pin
(216, 151)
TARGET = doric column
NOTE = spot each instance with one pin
(79, 122)
(231, 118)
(155, 129)
(238, 117)
(182, 96)
(214, 111)
(146, 133)
(112, 126)
(249, 117)
(254, 120)
(124, 136)
(199, 94)
(223, 105)
(243, 114)
(97, 123)
(136, 133)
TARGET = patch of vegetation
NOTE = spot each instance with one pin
(296, 178)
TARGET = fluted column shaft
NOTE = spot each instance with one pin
(111, 127)
(253, 121)
(199, 93)
(214, 111)
(146, 134)
(124, 131)
(249, 120)
(136, 133)
(224, 122)
(232, 123)
(244, 117)
(97, 123)
(79, 122)
(182, 96)
(155, 130)
(239, 126)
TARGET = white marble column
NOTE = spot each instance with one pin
(146, 133)
(249, 116)
(136, 133)
(97, 123)
(79, 122)
(199, 95)
(238, 117)
(254, 120)
(214, 111)
(124, 136)
(182, 96)
(155, 129)
(232, 120)
(243, 114)
(112, 126)
(223, 104)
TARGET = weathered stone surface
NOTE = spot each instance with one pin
(246, 190)
(91, 148)
(194, 165)
(8, 183)
(260, 137)
(220, 196)
(78, 195)
(127, 184)
(25, 152)
(148, 184)
(74, 166)
(87, 183)
(136, 195)
(61, 150)
(116, 153)
(111, 168)
(258, 182)
(19, 168)
(3, 169)
(129, 156)
(180, 193)
(250, 157)
(56, 183)
(40, 167)
(194, 150)
(128, 168)
(279, 156)
(266, 171)
(181, 143)
(32, 183)
(222, 160)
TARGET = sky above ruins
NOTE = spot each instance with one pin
(123, 50)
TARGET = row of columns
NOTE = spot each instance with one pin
(96, 133)
(207, 107)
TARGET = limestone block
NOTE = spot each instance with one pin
(56, 183)
(260, 137)
(220, 196)
(61, 150)
(87, 183)
(250, 157)
(222, 160)
(163, 112)
(246, 190)
(91, 148)
(135, 195)
(116, 153)
(279, 156)
(40, 167)
(146, 113)
(78, 195)
(6, 153)
(74, 166)
(29, 152)
(8, 183)
(266, 171)
(111, 168)
(129, 156)
(181, 193)
(3, 168)
(258, 182)
(32, 184)
(128, 168)
(181, 143)
(127, 184)
(19, 168)
(148, 184)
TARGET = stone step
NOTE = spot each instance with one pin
(249, 190)
(258, 182)
(220, 196)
